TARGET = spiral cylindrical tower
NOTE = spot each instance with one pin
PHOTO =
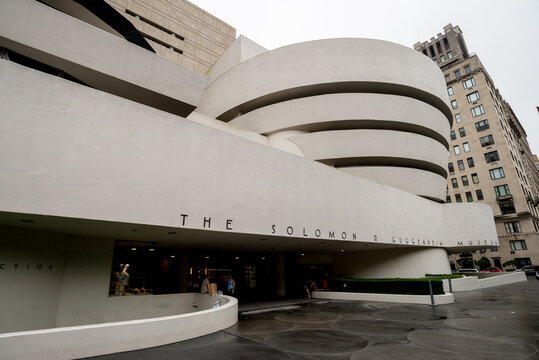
(372, 108)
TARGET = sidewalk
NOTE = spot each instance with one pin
(494, 323)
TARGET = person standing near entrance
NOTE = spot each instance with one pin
(230, 285)
(205, 286)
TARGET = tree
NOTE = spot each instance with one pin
(483, 263)
(512, 263)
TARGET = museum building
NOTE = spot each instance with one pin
(324, 158)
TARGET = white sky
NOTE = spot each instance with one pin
(504, 34)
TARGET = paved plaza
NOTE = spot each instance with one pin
(495, 323)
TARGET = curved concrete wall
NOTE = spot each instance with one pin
(351, 102)
(408, 179)
(99, 339)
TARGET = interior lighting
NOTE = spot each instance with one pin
(172, 256)
(151, 249)
(134, 249)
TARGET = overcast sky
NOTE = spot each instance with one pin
(503, 34)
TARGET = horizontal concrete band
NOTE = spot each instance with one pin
(392, 298)
(469, 283)
(325, 67)
(365, 147)
(348, 111)
(98, 339)
(98, 58)
(417, 181)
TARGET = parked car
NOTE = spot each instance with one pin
(467, 270)
(528, 269)
(492, 269)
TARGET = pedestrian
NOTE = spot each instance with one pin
(537, 273)
(230, 285)
(205, 287)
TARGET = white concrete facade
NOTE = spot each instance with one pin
(84, 167)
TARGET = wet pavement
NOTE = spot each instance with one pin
(495, 323)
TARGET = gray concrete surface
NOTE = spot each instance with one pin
(494, 323)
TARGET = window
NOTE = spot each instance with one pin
(475, 178)
(456, 149)
(455, 183)
(448, 199)
(468, 84)
(486, 140)
(502, 190)
(462, 132)
(494, 249)
(449, 55)
(496, 173)
(467, 69)
(473, 96)
(460, 165)
(458, 119)
(512, 227)
(469, 197)
(479, 194)
(470, 162)
(478, 110)
(466, 147)
(454, 104)
(518, 245)
(442, 59)
(450, 91)
(507, 207)
(465, 180)
(482, 125)
(452, 135)
(458, 198)
(492, 156)
(451, 167)
(457, 74)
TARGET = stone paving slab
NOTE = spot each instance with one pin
(494, 323)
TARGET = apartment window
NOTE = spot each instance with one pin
(442, 59)
(456, 150)
(512, 227)
(468, 84)
(453, 135)
(457, 74)
(492, 156)
(458, 198)
(502, 190)
(467, 69)
(486, 140)
(454, 104)
(507, 207)
(482, 125)
(469, 197)
(449, 55)
(458, 119)
(448, 199)
(479, 194)
(473, 96)
(460, 165)
(462, 132)
(465, 180)
(518, 245)
(451, 167)
(470, 162)
(450, 91)
(466, 147)
(455, 183)
(494, 249)
(496, 173)
(477, 111)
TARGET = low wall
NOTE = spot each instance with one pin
(393, 298)
(106, 338)
(474, 282)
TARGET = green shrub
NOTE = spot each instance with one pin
(388, 286)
